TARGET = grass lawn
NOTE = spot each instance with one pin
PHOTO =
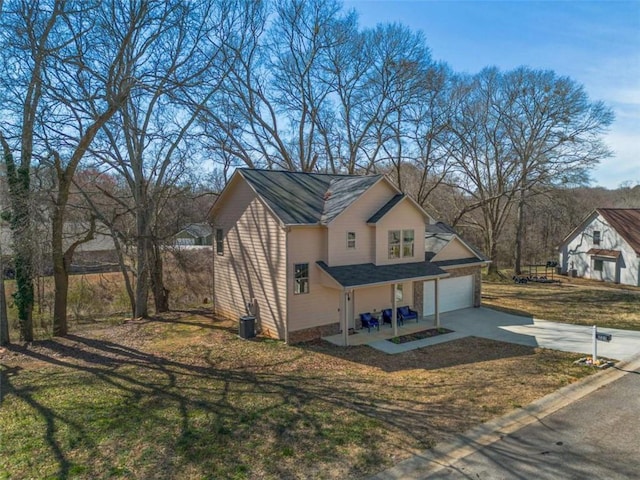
(580, 303)
(182, 397)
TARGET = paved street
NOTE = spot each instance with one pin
(597, 437)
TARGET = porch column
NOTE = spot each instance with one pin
(436, 301)
(394, 310)
(344, 318)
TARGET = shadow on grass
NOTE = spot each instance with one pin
(220, 414)
(464, 351)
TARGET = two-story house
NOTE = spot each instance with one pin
(605, 246)
(306, 253)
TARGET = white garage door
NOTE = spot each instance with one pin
(455, 293)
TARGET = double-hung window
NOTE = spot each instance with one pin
(351, 240)
(394, 243)
(598, 265)
(407, 243)
(401, 243)
(219, 242)
(301, 278)
(596, 237)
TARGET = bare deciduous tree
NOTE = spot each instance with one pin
(148, 142)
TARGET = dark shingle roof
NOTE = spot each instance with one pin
(385, 208)
(626, 222)
(459, 261)
(198, 230)
(307, 198)
(370, 274)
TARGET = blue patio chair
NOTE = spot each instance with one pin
(368, 321)
(387, 313)
(407, 314)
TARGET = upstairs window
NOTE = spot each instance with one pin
(351, 240)
(407, 243)
(596, 237)
(394, 244)
(301, 278)
(219, 242)
(401, 243)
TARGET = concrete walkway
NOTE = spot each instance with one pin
(533, 332)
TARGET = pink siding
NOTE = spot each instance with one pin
(379, 298)
(455, 249)
(319, 306)
(254, 262)
(354, 219)
(403, 216)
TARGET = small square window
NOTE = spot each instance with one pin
(598, 265)
(301, 278)
(351, 240)
(596, 237)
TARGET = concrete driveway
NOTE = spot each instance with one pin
(496, 325)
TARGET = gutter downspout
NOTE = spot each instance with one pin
(287, 229)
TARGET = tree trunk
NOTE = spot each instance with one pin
(4, 319)
(517, 267)
(142, 262)
(493, 256)
(492, 250)
(160, 293)
(60, 275)
(24, 295)
(142, 278)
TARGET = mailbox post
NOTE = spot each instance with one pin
(603, 337)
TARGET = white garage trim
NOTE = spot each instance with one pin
(455, 294)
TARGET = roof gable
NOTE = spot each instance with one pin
(439, 235)
(625, 221)
(454, 249)
(386, 208)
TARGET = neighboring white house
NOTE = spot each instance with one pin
(605, 246)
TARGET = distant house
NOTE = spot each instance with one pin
(605, 246)
(307, 253)
(194, 234)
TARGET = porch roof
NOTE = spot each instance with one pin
(600, 252)
(368, 274)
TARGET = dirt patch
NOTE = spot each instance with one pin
(412, 337)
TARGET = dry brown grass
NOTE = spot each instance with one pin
(578, 302)
(183, 397)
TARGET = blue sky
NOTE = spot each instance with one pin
(597, 43)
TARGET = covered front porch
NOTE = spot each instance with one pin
(386, 332)
(369, 288)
